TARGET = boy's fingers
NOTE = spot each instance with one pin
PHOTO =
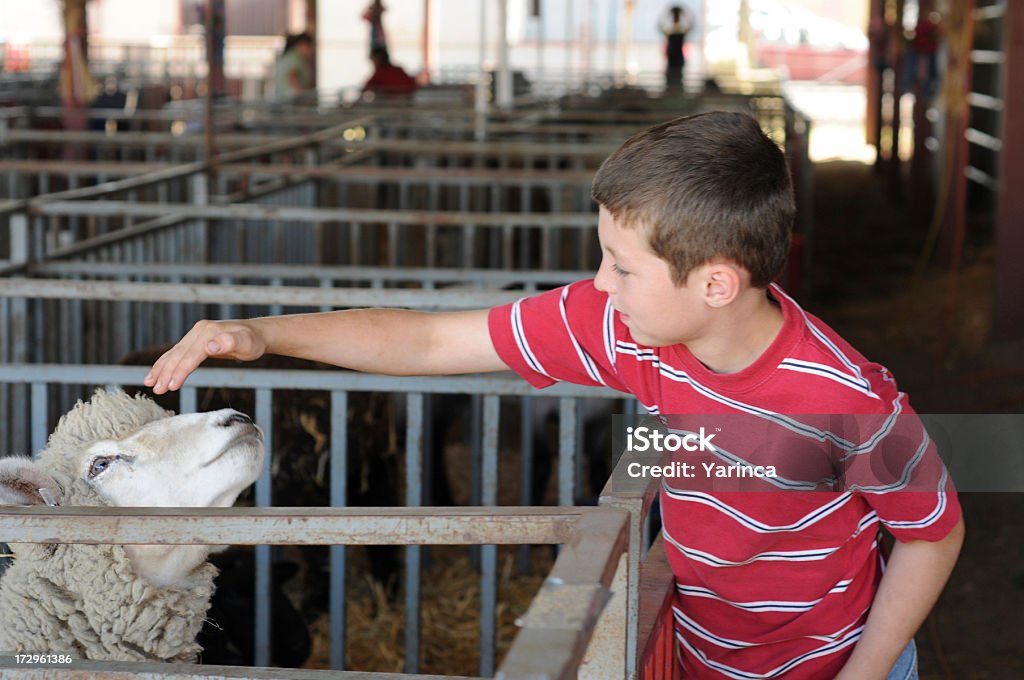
(176, 364)
(156, 378)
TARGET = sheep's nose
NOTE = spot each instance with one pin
(236, 419)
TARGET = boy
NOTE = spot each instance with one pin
(694, 223)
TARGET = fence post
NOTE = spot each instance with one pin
(606, 655)
(200, 190)
(638, 502)
(630, 591)
(19, 330)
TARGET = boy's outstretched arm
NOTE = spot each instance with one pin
(392, 341)
(914, 577)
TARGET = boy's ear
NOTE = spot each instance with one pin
(22, 482)
(722, 283)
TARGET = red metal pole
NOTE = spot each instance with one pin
(878, 35)
(425, 73)
(1009, 310)
(921, 198)
(76, 84)
(959, 83)
(957, 211)
(895, 165)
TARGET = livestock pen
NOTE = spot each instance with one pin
(127, 322)
(369, 211)
(638, 621)
(35, 409)
(555, 633)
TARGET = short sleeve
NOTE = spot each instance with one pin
(897, 468)
(566, 334)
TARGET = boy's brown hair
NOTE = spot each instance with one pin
(703, 187)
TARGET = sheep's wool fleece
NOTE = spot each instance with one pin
(86, 599)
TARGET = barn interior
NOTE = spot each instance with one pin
(168, 163)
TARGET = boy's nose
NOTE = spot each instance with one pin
(603, 280)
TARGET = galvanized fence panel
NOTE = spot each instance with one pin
(555, 632)
(394, 238)
(44, 381)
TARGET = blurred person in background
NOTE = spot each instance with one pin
(388, 80)
(293, 76)
(674, 25)
(374, 14)
(923, 47)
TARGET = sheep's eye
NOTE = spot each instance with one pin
(99, 465)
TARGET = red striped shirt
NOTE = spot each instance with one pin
(768, 584)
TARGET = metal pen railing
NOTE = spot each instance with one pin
(554, 634)
(41, 379)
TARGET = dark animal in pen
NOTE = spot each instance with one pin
(451, 416)
(227, 638)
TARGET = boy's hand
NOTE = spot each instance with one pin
(223, 339)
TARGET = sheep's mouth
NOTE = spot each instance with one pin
(249, 440)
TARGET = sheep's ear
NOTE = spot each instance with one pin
(22, 482)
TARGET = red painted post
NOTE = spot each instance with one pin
(76, 84)
(921, 162)
(878, 34)
(895, 169)
(1009, 309)
(425, 73)
(958, 86)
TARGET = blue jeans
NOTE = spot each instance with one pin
(905, 667)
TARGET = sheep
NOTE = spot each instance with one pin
(122, 602)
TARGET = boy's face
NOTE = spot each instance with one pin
(657, 312)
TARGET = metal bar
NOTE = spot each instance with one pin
(310, 272)
(40, 416)
(188, 400)
(121, 670)
(262, 613)
(985, 101)
(413, 553)
(983, 139)
(5, 390)
(489, 553)
(987, 57)
(289, 526)
(981, 177)
(256, 211)
(305, 296)
(526, 426)
(504, 383)
(996, 11)
(566, 451)
(339, 498)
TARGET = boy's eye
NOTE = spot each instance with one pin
(619, 270)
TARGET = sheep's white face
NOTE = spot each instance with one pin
(191, 460)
